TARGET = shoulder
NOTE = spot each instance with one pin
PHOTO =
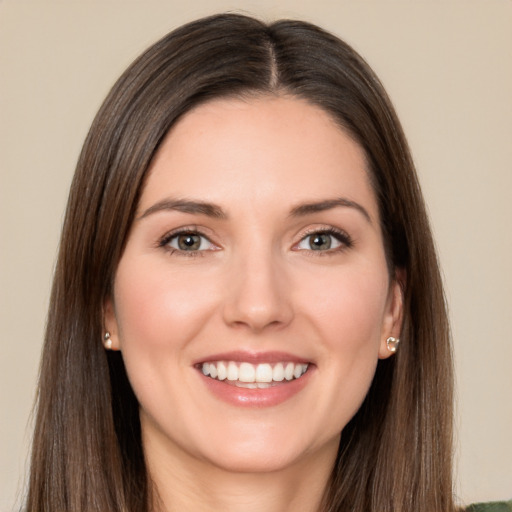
(497, 506)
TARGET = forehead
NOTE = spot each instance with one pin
(257, 148)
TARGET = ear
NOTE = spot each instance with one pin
(393, 318)
(110, 323)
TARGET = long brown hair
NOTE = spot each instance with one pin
(395, 454)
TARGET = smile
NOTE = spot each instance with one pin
(253, 376)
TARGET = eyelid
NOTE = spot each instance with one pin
(340, 235)
(163, 242)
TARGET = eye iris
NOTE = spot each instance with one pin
(189, 242)
(320, 241)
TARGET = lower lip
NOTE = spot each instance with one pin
(267, 397)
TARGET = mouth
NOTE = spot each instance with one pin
(247, 375)
(255, 379)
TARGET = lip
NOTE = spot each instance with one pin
(241, 356)
(245, 397)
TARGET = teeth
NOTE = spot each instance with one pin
(222, 371)
(232, 371)
(264, 373)
(246, 373)
(278, 372)
(248, 385)
(297, 372)
(288, 371)
(253, 376)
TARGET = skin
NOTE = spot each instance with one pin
(255, 285)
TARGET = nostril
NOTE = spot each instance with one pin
(272, 314)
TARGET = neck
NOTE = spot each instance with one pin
(184, 483)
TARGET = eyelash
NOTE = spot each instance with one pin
(341, 236)
(191, 230)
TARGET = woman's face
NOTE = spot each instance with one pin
(253, 299)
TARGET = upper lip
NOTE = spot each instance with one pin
(243, 356)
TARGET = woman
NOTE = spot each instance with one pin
(245, 246)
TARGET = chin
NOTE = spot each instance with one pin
(265, 455)
(251, 463)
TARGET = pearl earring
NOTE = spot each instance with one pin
(392, 343)
(107, 342)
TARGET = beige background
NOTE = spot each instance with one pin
(446, 64)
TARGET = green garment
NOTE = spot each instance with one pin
(498, 506)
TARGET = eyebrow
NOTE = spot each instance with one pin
(215, 211)
(186, 206)
(328, 204)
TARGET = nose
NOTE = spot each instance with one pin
(258, 294)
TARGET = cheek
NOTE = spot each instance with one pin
(160, 308)
(349, 307)
(159, 313)
(348, 318)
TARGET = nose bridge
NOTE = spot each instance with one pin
(257, 295)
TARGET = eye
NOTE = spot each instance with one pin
(325, 240)
(187, 241)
